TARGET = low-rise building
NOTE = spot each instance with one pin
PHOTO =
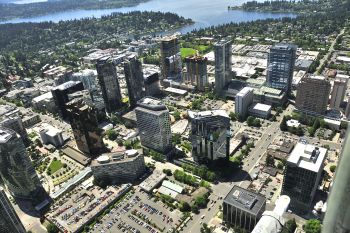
(52, 135)
(119, 167)
(260, 110)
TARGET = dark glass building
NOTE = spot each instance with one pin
(210, 135)
(243, 208)
(134, 80)
(83, 120)
(60, 95)
(108, 80)
(16, 169)
(9, 221)
(280, 66)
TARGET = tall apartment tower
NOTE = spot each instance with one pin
(197, 72)
(223, 64)
(153, 121)
(107, 78)
(302, 175)
(280, 66)
(16, 169)
(83, 120)
(60, 95)
(134, 80)
(210, 135)
(170, 58)
(9, 221)
(244, 98)
(338, 93)
(15, 123)
(313, 94)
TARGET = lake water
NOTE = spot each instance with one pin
(205, 13)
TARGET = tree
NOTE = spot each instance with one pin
(177, 115)
(312, 226)
(270, 161)
(176, 139)
(283, 125)
(233, 116)
(167, 172)
(205, 228)
(184, 207)
(112, 134)
(51, 228)
(290, 226)
(332, 168)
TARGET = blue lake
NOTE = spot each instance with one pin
(205, 13)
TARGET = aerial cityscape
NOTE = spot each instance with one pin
(175, 116)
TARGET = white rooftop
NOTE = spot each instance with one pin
(244, 91)
(293, 123)
(47, 95)
(308, 157)
(193, 114)
(262, 107)
(176, 91)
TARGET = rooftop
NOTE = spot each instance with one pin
(151, 104)
(5, 135)
(193, 114)
(262, 107)
(308, 157)
(66, 85)
(244, 91)
(116, 157)
(245, 200)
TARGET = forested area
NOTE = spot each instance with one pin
(11, 11)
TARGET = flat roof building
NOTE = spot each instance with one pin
(260, 110)
(210, 135)
(243, 208)
(153, 121)
(302, 175)
(223, 64)
(313, 95)
(119, 167)
(243, 100)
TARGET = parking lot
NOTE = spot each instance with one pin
(139, 213)
(74, 210)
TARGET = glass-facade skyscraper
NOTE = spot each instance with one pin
(9, 221)
(280, 66)
(16, 169)
(223, 64)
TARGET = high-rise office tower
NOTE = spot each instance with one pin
(9, 221)
(280, 66)
(210, 135)
(302, 175)
(313, 94)
(16, 169)
(223, 64)
(243, 100)
(60, 95)
(134, 80)
(197, 72)
(15, 123)
(107, 78)
(153, 121)
(170, 58)
(338, 93)
(152, 84)
(83, 120)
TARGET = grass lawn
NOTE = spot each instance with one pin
(185, 52)
(55, 166)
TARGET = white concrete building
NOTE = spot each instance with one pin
(338, 93)
(50, 134)
(244, 99)
(260, 110)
